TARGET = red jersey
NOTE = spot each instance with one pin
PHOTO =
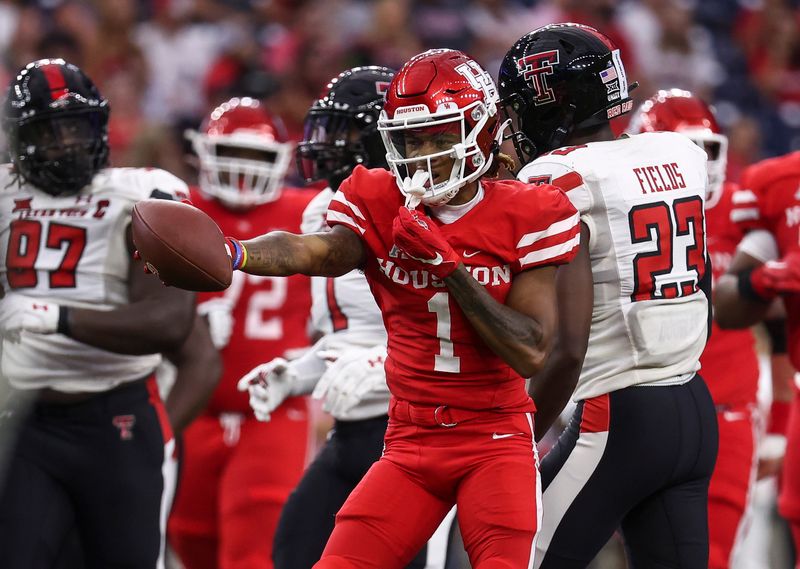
(770, 199)
(270, 313)
(729, 361)
(434, 356)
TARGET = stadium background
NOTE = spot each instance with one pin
(164, 64)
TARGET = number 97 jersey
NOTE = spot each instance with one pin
(642, 200)
(72, 249)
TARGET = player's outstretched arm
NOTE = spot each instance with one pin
(199, 368)
(280, 253)
(552, 387)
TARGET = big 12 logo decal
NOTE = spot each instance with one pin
(534, 69)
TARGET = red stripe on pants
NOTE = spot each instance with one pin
(596, 414)
(155, 401)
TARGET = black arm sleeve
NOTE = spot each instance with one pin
(776, 330)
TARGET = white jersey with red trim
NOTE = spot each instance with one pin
(343, 304)
(642, 199)
(344, 311)
(72, 250)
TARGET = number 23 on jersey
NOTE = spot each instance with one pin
(675, 262)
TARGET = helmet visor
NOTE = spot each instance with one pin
(53, 135)
(323, 153)
(61, 152)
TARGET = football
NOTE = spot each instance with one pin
(182, 245)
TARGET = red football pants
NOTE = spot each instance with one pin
(729, 492)
(486, 466)
(789, 499)
(235, 476)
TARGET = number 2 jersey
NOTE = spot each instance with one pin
(642, 199)
(73, 250)
(435, 357)
(269, 313)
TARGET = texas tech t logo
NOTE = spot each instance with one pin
(534, 69)
(125, 425)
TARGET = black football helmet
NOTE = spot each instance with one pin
(557, 80)
(56, 123)
(341, 128)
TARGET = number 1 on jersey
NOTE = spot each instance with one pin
(445, 360)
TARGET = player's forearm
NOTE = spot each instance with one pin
(145, 327)
(731, 309)
(280, 253)
(552, 388)
(518, 339)
(199, 368)
(277, 253)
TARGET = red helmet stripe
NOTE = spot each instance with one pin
(602, 37)
(55, 80)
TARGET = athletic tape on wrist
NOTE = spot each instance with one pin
(744, 284)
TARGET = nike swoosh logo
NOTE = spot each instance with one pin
(495, 436)
(468, 255)
(731, 416)
(437, 260)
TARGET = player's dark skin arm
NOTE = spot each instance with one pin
(731, 309)
(199, 368)
(519, 331)
(553, 386)
(157, 318)
(280, 253)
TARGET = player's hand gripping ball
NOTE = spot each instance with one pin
(181, 245)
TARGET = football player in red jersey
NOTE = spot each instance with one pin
(462, 269)
(768, 206)
(82, 328)
(237, 472)
(729, 361)
(634, 311)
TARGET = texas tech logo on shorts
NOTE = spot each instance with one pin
(125, 425)
(534, 69)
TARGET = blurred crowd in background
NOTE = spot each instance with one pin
(163, 64)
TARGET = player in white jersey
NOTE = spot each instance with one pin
(340, 132)
(83, 325)
(633, 311)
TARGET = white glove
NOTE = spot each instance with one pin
(20, 313)
(219, 312)
(414, 188)
(268, 385)
(350, 378)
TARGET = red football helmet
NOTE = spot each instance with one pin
(243, 154)
(441, 91)
(680, 111)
